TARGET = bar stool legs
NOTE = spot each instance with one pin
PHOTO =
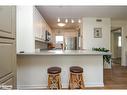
(76, 80)
(54, 79)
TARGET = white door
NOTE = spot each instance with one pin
(6, 58)
(7, 21)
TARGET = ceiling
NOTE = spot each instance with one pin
(51, 13)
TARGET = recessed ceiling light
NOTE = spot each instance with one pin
(58, 20)
(61, 24)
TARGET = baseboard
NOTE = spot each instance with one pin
(44, 86)
(31, 87)
(94, 85)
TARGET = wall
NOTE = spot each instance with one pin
(25, 36)
(88, 40)
(123, 25)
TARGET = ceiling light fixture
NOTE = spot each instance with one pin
(63, 21)
(58, 20)
(72, 21)
(66, 20)
(79, 21)
(61, 24)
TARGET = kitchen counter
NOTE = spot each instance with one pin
(32, 67)
(66, 52)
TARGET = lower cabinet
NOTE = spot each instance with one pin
(7, 64)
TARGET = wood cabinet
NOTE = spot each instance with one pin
(7, 47)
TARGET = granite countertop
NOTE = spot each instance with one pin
(65, 52)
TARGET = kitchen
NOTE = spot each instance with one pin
(62, 42)
(43, 37)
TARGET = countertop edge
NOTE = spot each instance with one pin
(70, 53)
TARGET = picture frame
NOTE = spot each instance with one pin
(97, 32)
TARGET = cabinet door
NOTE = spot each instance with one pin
(7, 21)
(8, 84)
(37, 24)
(7, 57)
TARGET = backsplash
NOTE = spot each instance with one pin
(40, 45)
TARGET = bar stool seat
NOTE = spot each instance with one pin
(76, 69)
(76, 78)
(54, 79)
(54, 70)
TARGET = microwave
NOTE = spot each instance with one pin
(47, 36)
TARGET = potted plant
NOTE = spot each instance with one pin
(106, 58)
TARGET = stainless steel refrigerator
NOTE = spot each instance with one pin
(70, 43)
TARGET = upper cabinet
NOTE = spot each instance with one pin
(40, 26)
(37, 25)
(7, 21)
(30, 28)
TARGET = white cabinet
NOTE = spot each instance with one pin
(7, 46)
(25, 39)
(38, 25)
(7, 21)
(30, 28)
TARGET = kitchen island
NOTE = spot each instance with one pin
(32, 67)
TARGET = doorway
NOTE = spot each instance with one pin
(116, 46)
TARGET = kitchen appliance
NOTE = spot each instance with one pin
(70, 43)
(47, 36)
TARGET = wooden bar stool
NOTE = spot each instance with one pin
(54, 79)
(76, 78)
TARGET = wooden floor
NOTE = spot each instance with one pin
(116, 78)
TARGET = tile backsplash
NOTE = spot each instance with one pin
(40, 45)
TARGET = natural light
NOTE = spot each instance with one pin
(59, 39)
(119, 41)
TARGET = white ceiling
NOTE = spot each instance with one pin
(51, 13)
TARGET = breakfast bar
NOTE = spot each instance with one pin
(32, 67)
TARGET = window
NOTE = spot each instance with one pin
(59, 39)
(119, 41)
